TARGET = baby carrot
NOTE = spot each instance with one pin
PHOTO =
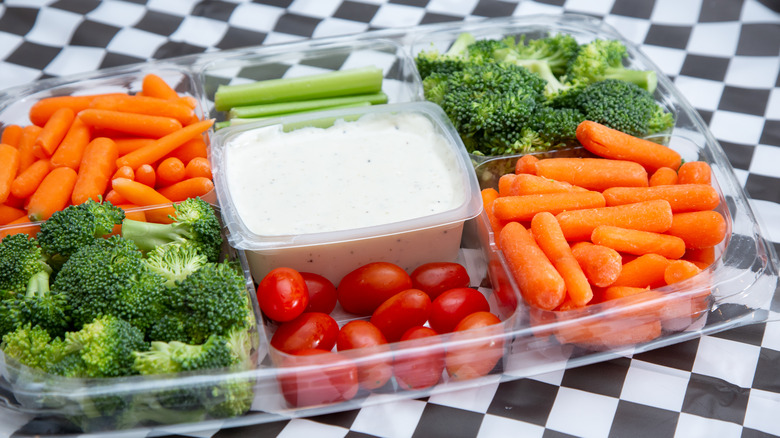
(523, 208)
(193, 148)
(136, 124)
(644, 271)
(124, 172)
(127, 145)
(694, 172)
(170, 171)
(11, 135)
(53, 194)
(187, 188)
(154, 86)
(114, 197)
(9, 214)
(616, 292)
(95, 170)
(699, 229)
(638, 242)
(679, 270)
(53, 132)
(9, 168)
(611, 143)
(549, 237)
(145, 174)
(527, 184)
(151, 106)
(681, 197)
(198, 166)
(488, 196)
(20, 225)
(26, 145)
(526, 165)
(664, 176)
(43, 109)
(540, 283)
(132, 211)
(504, 183)
(163, 146)
(593, 173)
(653, 216)
(601, 265)
(71, 149)
(143, 195)
(27, 181)
(702, 257)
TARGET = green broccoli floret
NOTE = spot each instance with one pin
(433, 61)
(75, 226)
(21, 258)
(603, 59)
(194, 223)
(38, 306)
(175, 261)
(33, 346)
(109, 277)
(547, 57)
(175, 356)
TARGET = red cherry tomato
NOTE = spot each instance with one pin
(282, 294)
(364, 289)
(322, 293)
(449, 308)
(419, 369)
(438, 277)
(365, 339)
(401, 312)
(323, 377)
(310, 330)
(482, 339)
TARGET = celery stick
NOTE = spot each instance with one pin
(361, 80)
(271, 109)
(243, 120)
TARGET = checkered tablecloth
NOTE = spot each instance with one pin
(723, 55)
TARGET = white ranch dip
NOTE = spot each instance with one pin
(377, 170)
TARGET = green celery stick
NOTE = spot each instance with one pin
(272, 109)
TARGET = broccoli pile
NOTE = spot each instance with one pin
(509, 96)
(95, 295)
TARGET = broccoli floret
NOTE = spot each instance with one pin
(603, 59)
(109, 277)
(39, 307)
(174, 261)
(432, 61)
(194, 223)
(556, 50)
(76, 226)
(21, 258)
(175, 356)
(33, 346)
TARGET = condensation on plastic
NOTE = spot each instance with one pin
(736, 290)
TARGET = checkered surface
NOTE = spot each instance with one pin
(724, 56)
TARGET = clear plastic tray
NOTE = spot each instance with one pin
(527, 342)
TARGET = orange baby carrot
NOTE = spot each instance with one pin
(638, 242)
(145, 174)
(53, 132)
(694, 172)
(526, 165)
(71, 149)
(702, 257)
(679, 270)
(18, 226)
(527, 184)
(488, 196)
(601, 265)
(43, 109)
(523, 208)
(154, 86)
(53, 193)
(170, 171)
(143, 195)
(114, 197)
(549, 237)
(95, 170)
(190, 149)
(617, 292)
(187, 188)
(9, 168)
(124, 172)
(9, 214)
(132, 211)
(644, 271)
(151, 106)
(127, 145)
(11, 135)
(26, 145)
(198, 166)
(699, 229)
(26, 182)
(504, 183)
(593, 173)
(136, 124)
(163, 146)
(664, 176)
(611, 143)
(540, 283)
(653, 216)
(681, 197)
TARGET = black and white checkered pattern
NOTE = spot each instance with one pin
(723, 55)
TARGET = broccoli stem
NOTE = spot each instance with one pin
(646, 79)
(273, 109)
(460, 47)
(361, 80)
(39, 284)
(149, 235)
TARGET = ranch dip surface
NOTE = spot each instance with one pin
(379, 169)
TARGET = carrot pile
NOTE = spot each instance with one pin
(582, 231)
(134, 150)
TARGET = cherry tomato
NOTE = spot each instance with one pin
(438, 277)
(363, 336)
(282, 294)
(324, 377)
(449, 308)
(482, 339)
(309, 330)
(322, 293)
(419, 369)
(401, 312)
(364, 289)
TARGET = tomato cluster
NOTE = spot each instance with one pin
(397, 333)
